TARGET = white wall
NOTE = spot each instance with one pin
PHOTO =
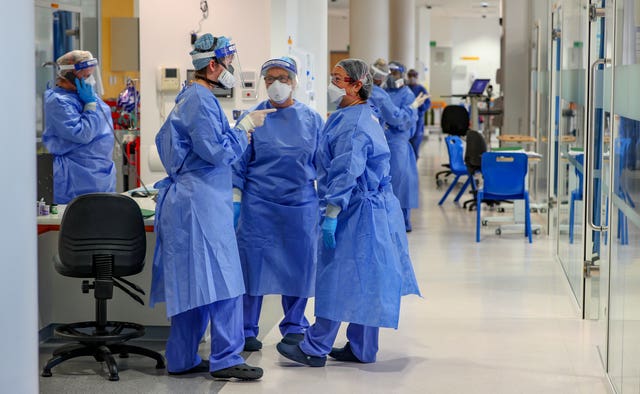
(338, 32)
(469, 37)
(423, 39)
(474, 37)
(18, 248)
(305, 23)
(441, 30)
(516, 70)
(164, 40)
(259, 29)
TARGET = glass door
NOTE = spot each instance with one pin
(597, 170)
(624, 207)
(540, 101)
(571, 111)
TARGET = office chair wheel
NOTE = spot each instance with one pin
(537, 231)
(500, 209)
(46, 373)
(484, 222)
(439, 183)
(498, 231)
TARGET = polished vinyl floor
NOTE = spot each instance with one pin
(495, 317)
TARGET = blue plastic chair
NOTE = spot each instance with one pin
(455, 148)
(504, 177)
(576, 195)
(621, 149)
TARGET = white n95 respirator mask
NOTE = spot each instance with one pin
(227, 79)
(279, 92)
(335, 93)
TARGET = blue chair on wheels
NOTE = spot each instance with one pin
(455, 148)
(621, 149)
(576, 195)
(504, 178)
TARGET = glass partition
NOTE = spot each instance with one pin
(540, 101)
(571, 115)
(624, 304)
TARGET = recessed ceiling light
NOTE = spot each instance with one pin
(484, 4)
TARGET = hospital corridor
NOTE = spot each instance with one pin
(495, 317)
(320, 196)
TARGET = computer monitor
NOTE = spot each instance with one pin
(478, 86)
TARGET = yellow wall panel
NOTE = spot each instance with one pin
(114, 81)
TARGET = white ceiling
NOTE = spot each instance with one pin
(449, 8)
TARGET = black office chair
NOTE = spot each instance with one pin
(476, 146)
(454, 121)
(102, 236)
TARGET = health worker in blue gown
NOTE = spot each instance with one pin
(196, 266)
(363, 265)
(78, 131)
(276, 206)
(418, 89)
(397, 108)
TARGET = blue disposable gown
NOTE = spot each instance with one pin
(362, 279)
(400, 120)
(278, 227)
(417, 89)
(81, 143)
(196, 258)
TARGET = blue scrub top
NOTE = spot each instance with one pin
(278, 225)
(196, 258)
(363, 278)
(404, 171)
(81, 143)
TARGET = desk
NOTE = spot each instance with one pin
(52, 222)
(516, 138)
(61, 301)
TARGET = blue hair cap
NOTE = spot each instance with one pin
(206, 47)
(395, 66)
(284, 62)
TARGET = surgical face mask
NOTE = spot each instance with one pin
(91, 80)
(279, 92)
(393, 83)
(227, 79)
(335, 93)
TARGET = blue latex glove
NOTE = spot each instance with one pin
(85, 91)
(329, 232)
(236, 214)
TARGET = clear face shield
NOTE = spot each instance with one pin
(232, 75)
(280, 79)
(88, 70)
(379, 75)
(395, 80)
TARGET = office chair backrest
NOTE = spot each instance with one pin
(455, 148)
(101, 224)
(455, 120)
(476, 146)
(504, 173)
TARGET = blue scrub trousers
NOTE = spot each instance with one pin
(187, 329)
(320, 337)
(419, 135)
(406, 212)
(293, 321)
